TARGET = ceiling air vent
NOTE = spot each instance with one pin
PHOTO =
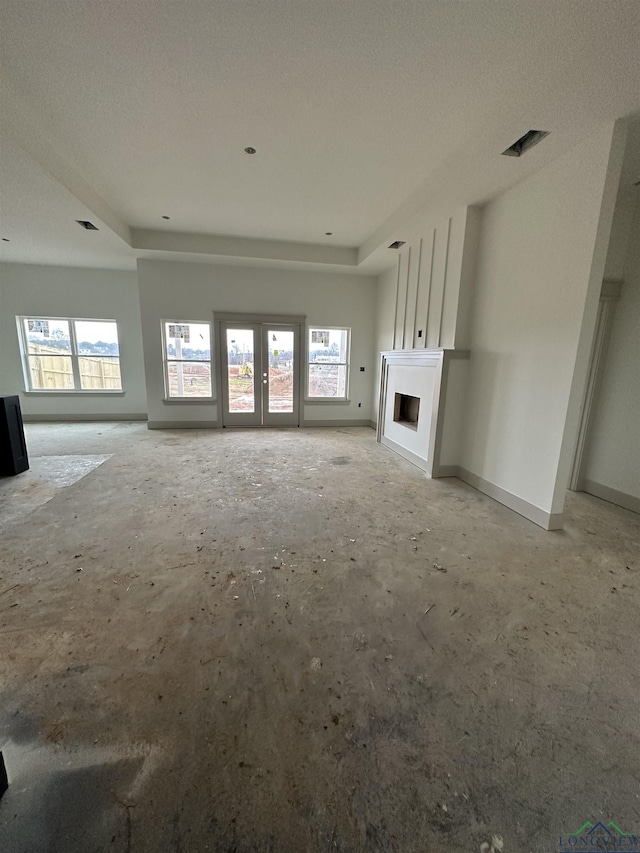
(397, 243)
(522, 145)
(88, 226)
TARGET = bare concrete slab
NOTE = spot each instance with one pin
(21, 494)
(292, 641)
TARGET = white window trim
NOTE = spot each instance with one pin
(166, 361)
(347, 364)
(74, 356)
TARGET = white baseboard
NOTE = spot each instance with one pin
(183, 425)
(216, 425)
(606, 493)
(547, 520)
(373, 425)
(342, 422)
(84, 418)
(447, 471)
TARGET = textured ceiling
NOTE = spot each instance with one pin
(38, 216)
(360, 112)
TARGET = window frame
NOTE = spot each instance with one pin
(166, 361)
(74, 355)
(347, 364)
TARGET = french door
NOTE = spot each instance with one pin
(260, 364)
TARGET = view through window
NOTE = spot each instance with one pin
(187, 357)
(240, 369)
(328, 365)
(71, 355)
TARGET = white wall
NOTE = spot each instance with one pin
(435, 274)
(174, 290)
(612, 457)
(72, 292)
(385, 314)
(540, 254)
(621, 230)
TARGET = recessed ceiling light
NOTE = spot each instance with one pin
(88, 226)
(249, 150)
(397, 243)
(166, 217)
(6, 240)
(328, 233)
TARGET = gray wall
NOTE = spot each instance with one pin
(173, 290)
(72, 292)
(612, 458)
(541, 258)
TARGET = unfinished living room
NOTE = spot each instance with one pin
(319, 426)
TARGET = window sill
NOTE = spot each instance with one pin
(69, 392)
(181, 401)
(336, 401)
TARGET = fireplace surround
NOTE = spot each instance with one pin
(421, 407)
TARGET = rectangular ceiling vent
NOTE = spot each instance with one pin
(88, 226)
(397, 243)
(522, 145)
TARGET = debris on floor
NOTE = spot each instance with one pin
(224, 721)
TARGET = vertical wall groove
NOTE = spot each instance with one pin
(395, 313)
(433, 254)
(406, 299)
(415, 308)
(444, 280)
(437, 287)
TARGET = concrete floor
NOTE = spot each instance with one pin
(291, 641)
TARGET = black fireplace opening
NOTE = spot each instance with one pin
(406, 409)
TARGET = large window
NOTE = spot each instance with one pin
(187, 359)
(328, 365)
(64, 354)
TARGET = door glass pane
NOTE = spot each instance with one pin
(97, 337)
(51, 371)
(280, 350)
(100, 373)
(189, 378)
(240, 370)
(47, 336)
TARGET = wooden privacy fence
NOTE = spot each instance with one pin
(49, 369)
(96, 372)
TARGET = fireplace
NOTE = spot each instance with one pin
(406, 410)
(421, 406)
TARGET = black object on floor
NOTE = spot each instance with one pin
(13, 447)
(4, 782)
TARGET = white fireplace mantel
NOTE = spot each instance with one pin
(437, 377)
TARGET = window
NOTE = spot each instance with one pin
(70, 355)
(187, 359)
(328, 365)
